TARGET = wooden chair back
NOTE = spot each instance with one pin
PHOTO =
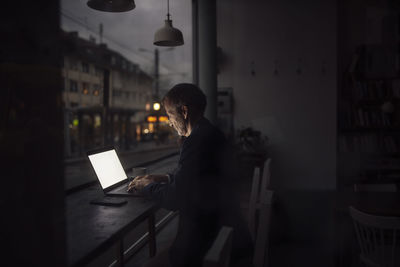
(260, 183)
(261, 244)
(378, 237)
(266, 174)
(220, 252)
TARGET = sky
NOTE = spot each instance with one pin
(131, 32)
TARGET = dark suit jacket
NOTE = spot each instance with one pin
(201, 189)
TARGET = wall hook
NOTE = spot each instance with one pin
(276, 72)
(252, 69)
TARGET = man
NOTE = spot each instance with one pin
(200, 188)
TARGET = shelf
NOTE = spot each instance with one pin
(373, 154)
(367, 129)
(378, 78)
(380, 169)
(374, 101)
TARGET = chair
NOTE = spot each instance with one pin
(378, 238)
(263, 227)
(266, 174)
(260, 184)
(220, 252)
(375, 188)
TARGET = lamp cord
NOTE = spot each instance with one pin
(168, 15)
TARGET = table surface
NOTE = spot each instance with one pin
(91, 229)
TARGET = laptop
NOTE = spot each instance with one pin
(110, 173)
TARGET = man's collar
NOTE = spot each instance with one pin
(197, 125)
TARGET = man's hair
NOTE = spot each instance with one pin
(186, 94)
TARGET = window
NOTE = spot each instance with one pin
(85, 67)
(116, 93)
(73, 86)
(73, 64)
(126, 74)
(96, 90)
(98, 71)
(85, 88)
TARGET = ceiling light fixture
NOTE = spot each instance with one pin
(112, 5)
(168, 35)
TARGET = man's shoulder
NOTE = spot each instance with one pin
(206, 131)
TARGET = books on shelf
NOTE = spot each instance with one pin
(368, 143)
(371, 118)
(388, 164)
(376, 89)
(355, 117)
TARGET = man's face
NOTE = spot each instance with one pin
(176, 119)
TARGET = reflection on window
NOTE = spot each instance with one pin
(110, 82)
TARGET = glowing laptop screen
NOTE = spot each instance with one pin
(108, 168)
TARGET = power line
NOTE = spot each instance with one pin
(86, 26)
(89, 28)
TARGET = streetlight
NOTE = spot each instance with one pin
(156, 106)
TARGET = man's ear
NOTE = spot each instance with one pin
(185, 112)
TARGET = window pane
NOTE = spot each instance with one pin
(113, 74)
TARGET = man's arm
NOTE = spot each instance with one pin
(159, 187)
(164, 193)
(141, 181)
(181, 190)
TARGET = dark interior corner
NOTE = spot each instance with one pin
(32, 225)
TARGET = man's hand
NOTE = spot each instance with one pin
(141, 181)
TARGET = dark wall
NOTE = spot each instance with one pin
(32, 197)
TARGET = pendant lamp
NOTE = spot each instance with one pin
(168, 35)
(112, 5)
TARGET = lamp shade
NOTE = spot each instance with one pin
(112, 5)
(168, 35)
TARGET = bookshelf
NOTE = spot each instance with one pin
(369, 124)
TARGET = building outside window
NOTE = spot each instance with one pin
(73, 64)
(85, 67)
(85, 88)
(116, 93)
(98, 72)
(73, 86)
(96, 90)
